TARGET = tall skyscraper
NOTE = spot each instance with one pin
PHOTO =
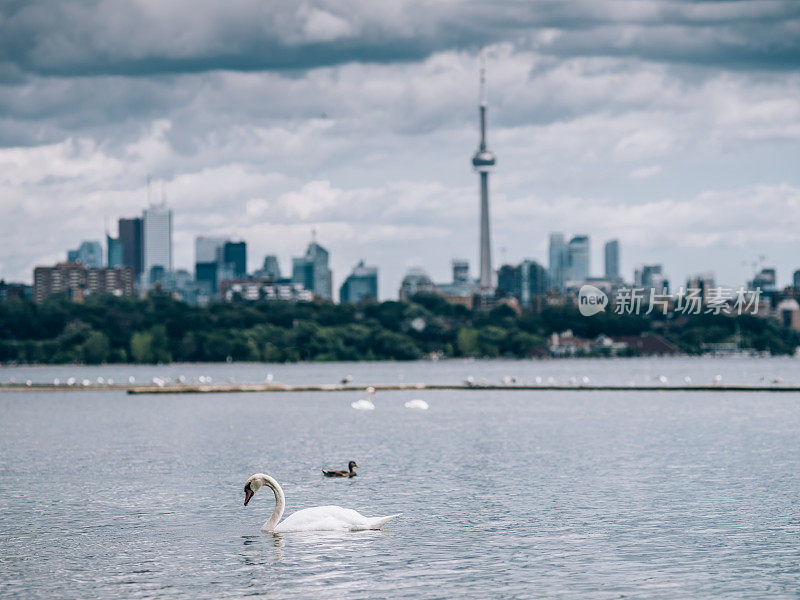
(235, 255)
(533, 281)
(483, 162)
(271, 269)
(766, 280)
(130, 238)
(361, 284)
(113, 252)
(207, 254)
(578, 251)
(651, 277)
(558, 262)
(312, 272)
(156, 239)
(508, 281)
(89, 253)
(796, 280)
(612, 259)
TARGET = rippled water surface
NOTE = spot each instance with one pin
(504, 494)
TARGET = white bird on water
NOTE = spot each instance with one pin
(417, 404)
(365, 403)
(319, 518)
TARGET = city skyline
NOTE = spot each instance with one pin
(685, 152)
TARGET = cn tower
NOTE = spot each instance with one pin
(482, 162)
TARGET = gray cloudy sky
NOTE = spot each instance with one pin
(672, 125)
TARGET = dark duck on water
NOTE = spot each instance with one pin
(349, 473)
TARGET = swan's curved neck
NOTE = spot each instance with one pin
(280, 504)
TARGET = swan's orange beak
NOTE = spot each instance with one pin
(248, 493)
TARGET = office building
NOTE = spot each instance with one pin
(461, 271)
(234, 254)
(558, 262)
(312, 272)
(524, 282)
(578, 258)
(208, 252)
(651, 277)
(360, 285)
(765, 280)
(416, 280)
(113, 252)
(89, 253)
(270, 269)
(130, 238)
(156, 240)
(612, 259)
(533, 281)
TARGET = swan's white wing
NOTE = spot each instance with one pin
(330, 518)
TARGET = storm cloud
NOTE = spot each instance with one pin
(633, 119)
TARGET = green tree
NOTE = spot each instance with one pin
(96, 349)
(467, 341)
(142, 347)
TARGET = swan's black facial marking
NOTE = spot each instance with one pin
(248, 493)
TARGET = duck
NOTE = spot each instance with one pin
(349, 473)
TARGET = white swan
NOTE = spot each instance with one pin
(417, 403)
(365, 403)
(319, 518)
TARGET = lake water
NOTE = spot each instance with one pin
(503, 493)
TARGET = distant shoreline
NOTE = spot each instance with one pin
(262, 388)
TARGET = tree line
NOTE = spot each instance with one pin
(108, 329)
